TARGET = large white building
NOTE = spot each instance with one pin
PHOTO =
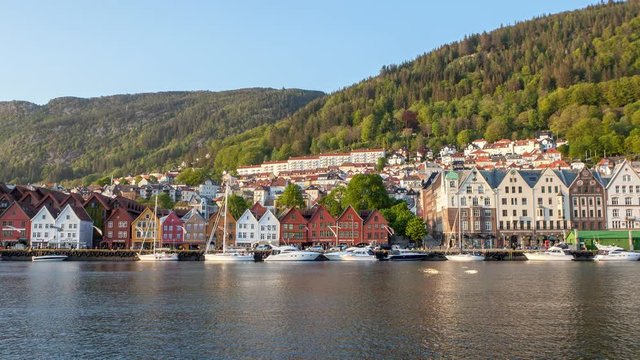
(623, 198)
(365, 156)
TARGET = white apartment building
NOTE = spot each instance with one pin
(623, 198)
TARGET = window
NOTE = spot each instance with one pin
(452, 184)
(469, 190)
(487, 201)
(487, 225)
(519, 189)
(614, 201)
(465, 225)
(540, 202)
(504, 201)
(524, 213)
(463, 201)
(504, 213)
(475, 201)
(514, 201)
(629, 213)
(550, 212)
(476, 213)
(515, 212)
(627, 201)
(506, 190)
(110, 224)
(524, 201)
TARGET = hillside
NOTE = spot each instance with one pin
(577, 73)
(71, 138)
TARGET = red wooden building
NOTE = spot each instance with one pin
(171, 231)
(320, 227)
(117, 233)
(16, 224)
(293, 228)
(349, 227)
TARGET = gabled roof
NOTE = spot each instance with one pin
(106, 202)
(531, 177)
(258, 210)
(493, 177)
(28, 210)
(193, 213)
(567, 176)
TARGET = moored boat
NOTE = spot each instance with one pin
(554, 253)
(465, 257)
(614, 253)
(291, 253)
(158, 256)
(397, 254)
(49, 258)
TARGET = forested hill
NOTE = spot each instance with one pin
(72, 138)
(575, 72)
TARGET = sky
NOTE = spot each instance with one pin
(85, 48)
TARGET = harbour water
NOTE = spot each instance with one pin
(323, 310)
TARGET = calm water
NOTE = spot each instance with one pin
(319, 310)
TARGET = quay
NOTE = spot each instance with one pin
(198, 255)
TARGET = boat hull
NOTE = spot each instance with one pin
(408, 257)
(359, 258)
(158, 257)
(43, 258)
(222, 257)
(294, 256)
(547, 257)
(622, 256)
(464, 257)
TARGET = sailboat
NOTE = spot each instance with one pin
(462, 257)
(156, 255)
(226, 255)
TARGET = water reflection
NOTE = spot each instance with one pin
(319, 310)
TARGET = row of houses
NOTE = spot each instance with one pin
(41, 218)
(526, 207)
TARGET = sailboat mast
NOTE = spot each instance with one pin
(224, 230)
(155, 221)
(459, 225)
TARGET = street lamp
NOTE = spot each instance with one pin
(335, 232)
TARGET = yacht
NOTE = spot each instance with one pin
(397, 254)
(49, 258)
(554, 253)
(158, 256)
(352, 254)
(291, 253)
(464, 257)
(614, 253)
(229, 255)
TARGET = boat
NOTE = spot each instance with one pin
(554, 253)
(615, 253)
(359, 254)
(291, 253)
(352, 254)
(227, 255)
(464, 257)
(49, 258)
(157, 254)
(398, 254)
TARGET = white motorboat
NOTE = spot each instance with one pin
(359, 254)
(49, 258)
(229, 256)
(352, 254)
(554, 253)
(464, 257)
(397, 254)
(158, 256)
(291, 253)
(614, 253)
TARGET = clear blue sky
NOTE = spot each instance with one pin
(104, 47)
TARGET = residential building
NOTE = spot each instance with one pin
(195, 234)
(44, 233)
(145, 229)
(172, 231)
(117, 230)
(623, 198)
(75, 228)
(588, 201)
(16, 224)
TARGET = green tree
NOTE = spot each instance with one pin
(237, 205)
(192, 176)
(398, 217)
(291, 197)
(333, 201)
(366, 191)
(416, 230)
(380, 164)
(464, 137)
